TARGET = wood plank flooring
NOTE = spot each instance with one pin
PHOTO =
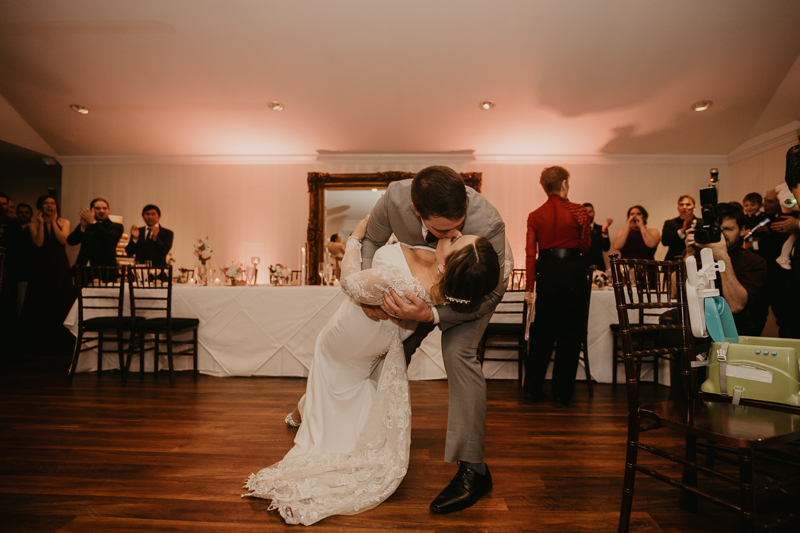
(97, 456)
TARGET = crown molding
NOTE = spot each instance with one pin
(185, 159)
(455, 157)
(786, 134)
(603, 159)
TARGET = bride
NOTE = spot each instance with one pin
(351, 451)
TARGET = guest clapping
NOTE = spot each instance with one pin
(97, 235)
(600, 241)
(150, 242)
(673, 234)
(49, 295)
(635, 240)
(46, 224)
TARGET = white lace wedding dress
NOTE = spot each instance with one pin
(351, 451)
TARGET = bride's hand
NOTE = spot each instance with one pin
(361, 229)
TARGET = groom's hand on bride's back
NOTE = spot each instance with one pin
(374, 312)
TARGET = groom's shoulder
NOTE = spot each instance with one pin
(399, 187)
(399, 192)
(477, 203)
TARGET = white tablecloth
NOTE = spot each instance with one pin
(256, 331)
(271, 331)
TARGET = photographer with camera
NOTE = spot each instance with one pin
(742, 282)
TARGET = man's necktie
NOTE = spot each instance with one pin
(147, 237)
(431, 238)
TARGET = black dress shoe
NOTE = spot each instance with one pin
(531, 398)
(463, 491)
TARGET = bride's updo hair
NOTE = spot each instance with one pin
(469, 274)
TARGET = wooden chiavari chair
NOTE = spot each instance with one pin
(747, 444)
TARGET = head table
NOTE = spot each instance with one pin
(271, 331)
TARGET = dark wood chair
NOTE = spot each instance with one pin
(151, 302)
(509, 335)
(294, 277)
(754, 450)
(101, 291)
(644, 339)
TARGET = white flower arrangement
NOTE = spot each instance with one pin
(278, 271)
(233, 270)
(202, 249)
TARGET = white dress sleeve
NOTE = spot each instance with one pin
(369, 286)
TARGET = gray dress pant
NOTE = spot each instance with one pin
(466, 415)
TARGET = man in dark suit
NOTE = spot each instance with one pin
(600, 241)
(151, 242)
(435, 205)
(97, 235)
(673, 234)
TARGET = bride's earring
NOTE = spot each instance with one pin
(440, 270)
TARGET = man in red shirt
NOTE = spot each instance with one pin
(560, 232)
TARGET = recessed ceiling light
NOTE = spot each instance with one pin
(702, 106)
(488, 104)
(79, 109)
(275, 106)
(374, 190)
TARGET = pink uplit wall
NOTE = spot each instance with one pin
(262, 209)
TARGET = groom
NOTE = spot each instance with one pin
(435, 205)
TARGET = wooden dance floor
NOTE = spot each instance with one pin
(97, 456)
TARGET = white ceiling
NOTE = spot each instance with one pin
(193, 77)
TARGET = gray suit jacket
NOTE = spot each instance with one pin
(393, 214)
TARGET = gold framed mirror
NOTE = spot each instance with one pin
(319, 182)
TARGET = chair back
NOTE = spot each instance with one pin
(589, 285)
(151, 291)
(643, 285)
(101, 289)
(513, 302)
(516, 281)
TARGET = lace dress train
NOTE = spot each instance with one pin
(352, 449)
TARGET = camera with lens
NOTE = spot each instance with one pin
(709, 231)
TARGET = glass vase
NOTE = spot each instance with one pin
(201, 275)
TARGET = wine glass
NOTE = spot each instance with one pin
(255, 260)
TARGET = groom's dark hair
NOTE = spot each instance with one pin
(439, 191)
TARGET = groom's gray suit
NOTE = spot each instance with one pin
(461, 332)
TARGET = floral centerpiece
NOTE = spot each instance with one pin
(202, 249)
(233, 271)
(277, 273)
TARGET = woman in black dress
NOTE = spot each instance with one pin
(50, 294)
